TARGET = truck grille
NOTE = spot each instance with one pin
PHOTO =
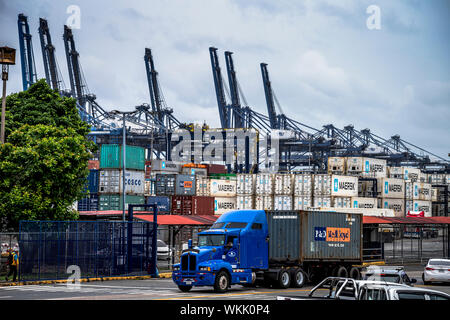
(188, 262)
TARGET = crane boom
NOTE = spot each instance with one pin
(269, 97)
(48, 54)
(224, 112)
(234, 90)
(26, 52)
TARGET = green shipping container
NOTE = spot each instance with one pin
(115, 202)
(111, 157)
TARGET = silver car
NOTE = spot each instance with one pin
(389, 292)
(436, 270)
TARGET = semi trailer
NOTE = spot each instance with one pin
(280, 248)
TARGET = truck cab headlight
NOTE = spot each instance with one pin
(176, 268)
(204, 268)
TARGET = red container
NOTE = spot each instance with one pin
(93, 164)
(216, 168)
(148, 169)
(192, 205)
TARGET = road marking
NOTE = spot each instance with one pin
(236, 294)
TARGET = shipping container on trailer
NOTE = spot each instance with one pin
(111, 157)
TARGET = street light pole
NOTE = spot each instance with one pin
(7, 57)
(124, 143)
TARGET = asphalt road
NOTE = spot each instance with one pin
(161, 289)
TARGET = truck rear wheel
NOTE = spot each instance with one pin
(354, 273)
(222, 282)
(342, 272)
(185, 288)
(298, 278)
(284, 279)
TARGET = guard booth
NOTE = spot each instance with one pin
(51, 250)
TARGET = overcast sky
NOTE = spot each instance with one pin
(325, 64)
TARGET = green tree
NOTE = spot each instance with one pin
(43, 164)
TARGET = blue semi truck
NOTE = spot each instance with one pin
(280, 248)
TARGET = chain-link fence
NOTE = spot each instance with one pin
(50, 250)
(8, 240)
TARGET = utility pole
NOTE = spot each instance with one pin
(7, 58)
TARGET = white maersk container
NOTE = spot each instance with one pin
(264, 184)
(110, 181)
(412, 174)
(264, 203)
(344, 186)
(282, 202)
(165, 166)
(421, 191)
(322, 184)
(341, 202)
(224, 204)
(437, 178)
(419, 205)
(367, 167)
(222, 187)
(302, 202)
(398, 205)
(322, 202)
(244, 202)
(245, 184)
(364, 203)
(303, 184)
(337, 165)
(283, 184)
(391, 188)
(202, 186)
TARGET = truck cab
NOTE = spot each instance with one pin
(230, 252)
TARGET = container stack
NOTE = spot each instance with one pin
(337, 165)
(283, 191)
(223, 188)
(264, 191)
(245, 189)
(303, 191)
(418, 197)
(322, 190)
(90, 202)
(111, 177)
(391, 195)
(366, 167)
(343, 189)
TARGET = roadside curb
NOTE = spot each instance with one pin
(24, 283)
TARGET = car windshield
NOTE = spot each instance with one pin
(211, 240)
(439, 263)
(383, 277)
(161, 244)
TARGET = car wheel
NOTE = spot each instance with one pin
(185, 288)
(222, 282)
(425, 282)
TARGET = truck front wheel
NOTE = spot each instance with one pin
(222, 282)
(185, 288)
(284, 279)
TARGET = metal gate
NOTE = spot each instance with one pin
(98, 248)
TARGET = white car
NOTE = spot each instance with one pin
(163, 250)
(399, 292)
(436, 270)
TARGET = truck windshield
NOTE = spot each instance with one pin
(211, 240)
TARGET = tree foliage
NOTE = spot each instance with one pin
(43, 164)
